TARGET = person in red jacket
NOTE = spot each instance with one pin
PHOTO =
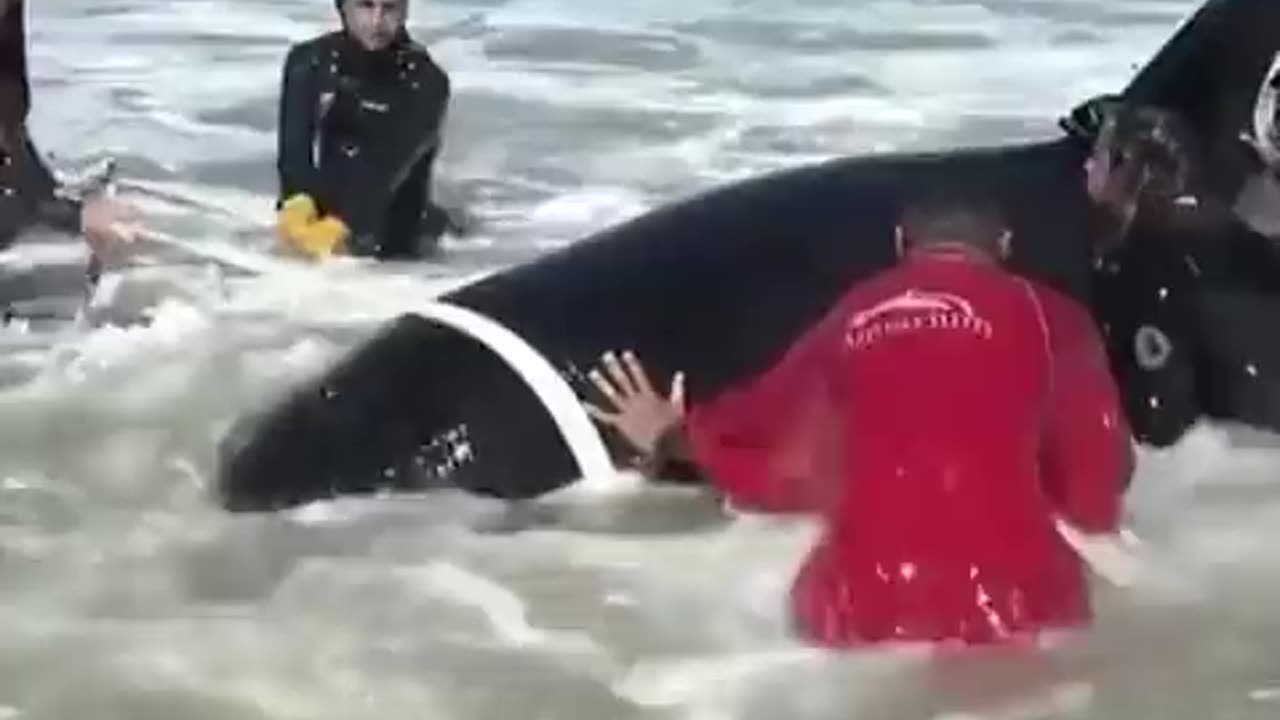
(939, 420)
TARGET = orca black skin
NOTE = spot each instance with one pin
(718, 286)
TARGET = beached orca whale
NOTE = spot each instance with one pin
(719, 284)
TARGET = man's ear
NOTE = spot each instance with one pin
(1005, 244)
(899, 242)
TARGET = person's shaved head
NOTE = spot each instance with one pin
(977, 225)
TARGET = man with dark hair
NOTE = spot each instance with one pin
(361, 112)
(1167, 248)
(1139, 167)
(939, 420)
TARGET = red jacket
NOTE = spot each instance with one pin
(937, 419)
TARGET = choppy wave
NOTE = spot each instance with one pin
(126, 594)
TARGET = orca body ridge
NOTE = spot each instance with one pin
(718, 285)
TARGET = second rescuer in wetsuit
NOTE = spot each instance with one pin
(361, 112)
(1167, 250)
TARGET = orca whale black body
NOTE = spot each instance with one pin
(718, 286)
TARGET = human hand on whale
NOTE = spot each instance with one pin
(643, 417)
(108, 223)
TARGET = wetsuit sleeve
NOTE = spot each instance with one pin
(51, 209)
(768, 445)
(11, 222)
(1087, 454)
(296, 135)
(428, 108)
(36, 197)
(437, 100)
(436, 95)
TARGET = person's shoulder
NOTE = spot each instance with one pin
(1068, 318)
(416, 58)
(1049, 295)
(313, 50)
(413, 50)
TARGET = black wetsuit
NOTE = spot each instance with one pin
(29, 195)
(31, 198)
(359, 133)
(1164, 300)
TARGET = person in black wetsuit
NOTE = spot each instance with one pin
(361, 112)
(30, 196)
(1168, 249)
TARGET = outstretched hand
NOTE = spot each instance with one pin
(639, 413)
(108, 223)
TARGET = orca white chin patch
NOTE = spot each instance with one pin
(1151, 347)
(1266, 129)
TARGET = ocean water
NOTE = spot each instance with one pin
(125, 593)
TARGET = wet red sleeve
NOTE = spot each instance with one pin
(1088, 455)
(768, 444)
